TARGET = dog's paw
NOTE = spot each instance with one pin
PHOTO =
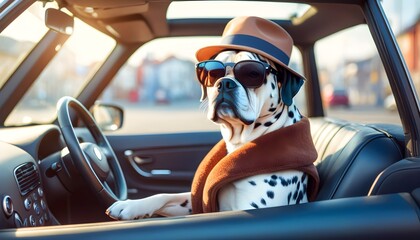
(128, 210)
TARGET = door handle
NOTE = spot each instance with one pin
(142, 160)
(129, 154)
(137, 161)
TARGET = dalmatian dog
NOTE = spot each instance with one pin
(244, 111)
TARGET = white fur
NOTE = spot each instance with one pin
(161, 204)
(237, 195)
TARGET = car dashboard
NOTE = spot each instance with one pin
(23, 194)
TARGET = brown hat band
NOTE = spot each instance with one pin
(257, 43)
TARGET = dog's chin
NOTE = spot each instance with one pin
(228, 112)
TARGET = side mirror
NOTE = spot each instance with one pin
(59, 21)
(108, 117)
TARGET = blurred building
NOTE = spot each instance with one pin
(155, 81)
(409, 41)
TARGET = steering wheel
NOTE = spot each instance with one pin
(94, 161)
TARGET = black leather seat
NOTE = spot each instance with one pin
(350, 156)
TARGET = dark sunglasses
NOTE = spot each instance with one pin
(249, 73)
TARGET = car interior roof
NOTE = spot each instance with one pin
(133, 21)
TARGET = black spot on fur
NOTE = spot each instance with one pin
(273, 86)
(272, 105)
(272, 183)
(288, 197)
(263, 201)
(277, 116)
(291, 114)
(267, 124)
(298, 186)
(300, 115)
(272, 109)
(282, 109)
(274, 177)
(270, 194)
(295, 194)
(252, 183)
(284, 182)
(271, 95)
(265, 180)
(257, 125)
(189, 210)
(299, 197)
(294, 120)
(302, 179)
(184, 203)
(254, 205)
(295, 179)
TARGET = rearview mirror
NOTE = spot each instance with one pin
(108, 117)
(59, 21)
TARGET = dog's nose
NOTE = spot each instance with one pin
(226, 84)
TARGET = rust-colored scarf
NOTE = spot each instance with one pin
(284, 149)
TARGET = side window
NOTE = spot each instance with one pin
(353, 81)
(158, 90)
(404, 19)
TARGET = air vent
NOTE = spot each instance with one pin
(27, 177)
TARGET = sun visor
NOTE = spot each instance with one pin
(130, 31)
(102, 11)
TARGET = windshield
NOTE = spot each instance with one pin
(66, 74)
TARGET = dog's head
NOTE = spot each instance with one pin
(242, 87)
(247, 81)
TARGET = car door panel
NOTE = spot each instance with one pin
(163, 162)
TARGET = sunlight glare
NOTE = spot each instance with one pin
(88, 44)
(57, 48)
(69, 30)
(30, 27)
(230, 9)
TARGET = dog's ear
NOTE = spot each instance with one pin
(203, 93)
(290, 86)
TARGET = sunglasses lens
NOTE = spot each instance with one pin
(250, 74)
(208, 72)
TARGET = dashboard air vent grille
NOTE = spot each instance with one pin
(27, 177)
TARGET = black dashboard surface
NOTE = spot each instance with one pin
(22, 195)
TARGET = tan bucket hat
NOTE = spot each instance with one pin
(256, 35)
